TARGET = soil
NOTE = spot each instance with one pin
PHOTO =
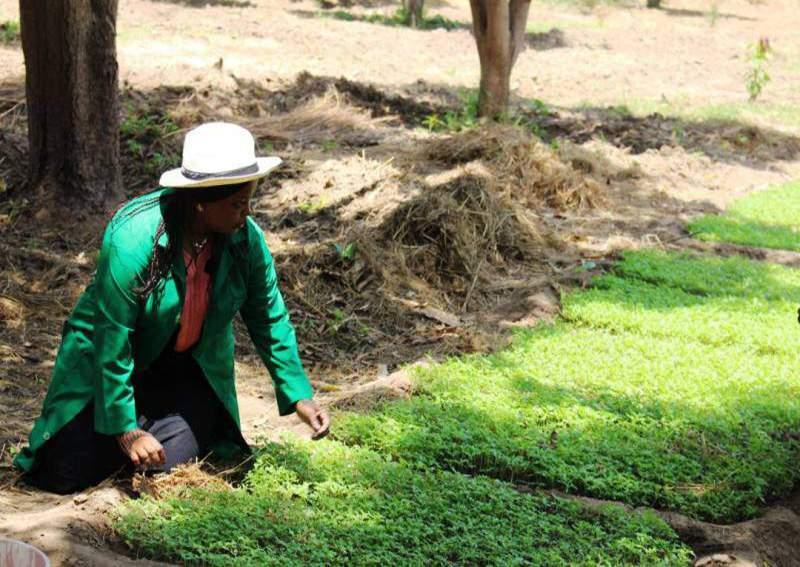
(375, 272)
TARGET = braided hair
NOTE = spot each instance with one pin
(177, 209)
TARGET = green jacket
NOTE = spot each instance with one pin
(110, 332)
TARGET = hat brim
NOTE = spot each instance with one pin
(175, 178)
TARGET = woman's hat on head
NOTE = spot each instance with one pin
(218, 153)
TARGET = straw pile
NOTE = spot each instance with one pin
(449, 242)
(523, 167)
(320, 119)
(178, 482)
(451, 230)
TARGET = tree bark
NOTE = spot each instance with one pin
(414, 9)
(72, 94)
(499, 30)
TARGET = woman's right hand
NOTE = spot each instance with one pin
(142, 448)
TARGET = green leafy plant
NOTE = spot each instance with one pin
(328, 504)
(647, 392)
(758, 77)
(346, 252)
(539, 107)
(462, 118)
(433, 122)
(9, 32)
(145, 135)
(767, 219)
(338, 320)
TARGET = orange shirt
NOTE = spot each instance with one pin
(195, 302)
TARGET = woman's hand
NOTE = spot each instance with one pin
(142, 448)
(316, 417)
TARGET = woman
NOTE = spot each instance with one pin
(144, 374)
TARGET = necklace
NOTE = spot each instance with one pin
(197, 245)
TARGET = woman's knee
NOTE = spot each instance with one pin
(177, 438)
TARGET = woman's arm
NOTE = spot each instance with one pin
(117, 309)
(124, 255)
(267, 320)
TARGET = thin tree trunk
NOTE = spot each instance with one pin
(499, 29)
(72, 95)
(518, 15)
(414, 10)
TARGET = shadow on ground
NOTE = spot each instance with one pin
(205, 3)
(687, 13)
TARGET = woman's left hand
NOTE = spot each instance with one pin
(316, 417)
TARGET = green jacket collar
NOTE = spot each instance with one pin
(224, 255)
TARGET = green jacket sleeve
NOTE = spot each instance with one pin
(115, 319)
(267, 320)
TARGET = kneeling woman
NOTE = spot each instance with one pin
(144, 374)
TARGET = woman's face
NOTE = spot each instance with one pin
(228, 215)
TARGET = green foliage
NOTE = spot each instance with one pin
(673, 384)
(768, 219)
(539, 107)
(757, 77)
(311, 207)
(400, 17)
(347, 252)
(143, 131)
(621, 110)
(463, 118)
(9, 32)
(329, 145)
(327, 504)
(338, 320)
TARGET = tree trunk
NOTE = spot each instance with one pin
(414, 10)
(72, 94)
(499, 30)
(654, 3)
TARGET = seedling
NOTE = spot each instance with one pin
(758, 77)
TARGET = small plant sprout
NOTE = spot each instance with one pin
(311, 207)
(713, 13)
(433, 122)
(346, 252)
(757, 77)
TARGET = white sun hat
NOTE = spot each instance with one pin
(218, 153)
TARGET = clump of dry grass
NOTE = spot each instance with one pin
(605, 164)
(178, 482)
(323, 118)
(524, 168)
(453, 229)
(451, 240)
(445, 247)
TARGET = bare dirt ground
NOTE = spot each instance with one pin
(377, 270)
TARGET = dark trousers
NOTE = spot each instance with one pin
(174, 403)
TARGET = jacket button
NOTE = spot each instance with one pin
(46, 436)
